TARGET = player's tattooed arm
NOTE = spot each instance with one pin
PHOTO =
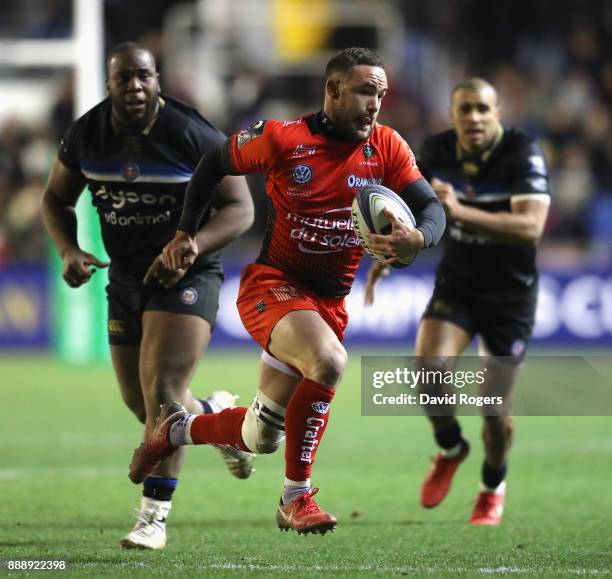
(61, 193)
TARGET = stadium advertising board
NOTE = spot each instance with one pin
(575, 309)
(24, 307)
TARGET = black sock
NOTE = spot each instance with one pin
(206, 408)
(450, 436)
(493, 477)
(159, 488)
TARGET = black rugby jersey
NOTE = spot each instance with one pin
(138, 182)
(515, 166)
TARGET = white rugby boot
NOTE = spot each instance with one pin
(238, 462)
(149, 532)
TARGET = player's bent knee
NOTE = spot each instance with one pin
(262, 431)
(328, 366)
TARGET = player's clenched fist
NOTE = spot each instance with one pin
(181, 252)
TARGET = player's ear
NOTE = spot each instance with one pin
(332, 87)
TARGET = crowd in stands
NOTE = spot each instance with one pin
(552, 68)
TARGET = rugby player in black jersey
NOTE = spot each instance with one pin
(135, 152)
(493, 184)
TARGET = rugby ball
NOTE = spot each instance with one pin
(368, 217)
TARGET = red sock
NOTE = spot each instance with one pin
(305, 422)
(224, 427)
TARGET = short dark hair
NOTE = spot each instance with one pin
(473, 84)
(350, 57)
(126, 47)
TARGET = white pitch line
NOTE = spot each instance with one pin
(61, 471)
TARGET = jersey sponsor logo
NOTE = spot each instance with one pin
(121, 198)
(128, 221)
(469, 237)
(327, 233)
(302, 174)
(254, 131)
(311, 438)
(320, 407)
(130, 171)
(303, 151)
(354, 181)
(188, 296)
(298, 192)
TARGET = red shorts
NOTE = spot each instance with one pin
(267, 294)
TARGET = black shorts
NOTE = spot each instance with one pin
(503, 318)
(197, 294)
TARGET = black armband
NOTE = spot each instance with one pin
(213, 166)
(427, 210)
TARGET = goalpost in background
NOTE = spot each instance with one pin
(78, 315)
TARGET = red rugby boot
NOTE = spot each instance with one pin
(304, 515)
(156, 447)
(438, 480)
(489, 507)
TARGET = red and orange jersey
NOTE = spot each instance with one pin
(311, 180)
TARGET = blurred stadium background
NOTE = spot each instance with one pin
(64, 452)
(239, 61)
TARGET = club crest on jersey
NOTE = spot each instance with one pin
(188, 296)
(302, 174)
(130, 171)
(518, 347)
(320, 407)
(368, 150)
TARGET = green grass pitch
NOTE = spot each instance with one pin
(66, 440)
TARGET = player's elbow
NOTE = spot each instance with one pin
(247, 214)
(531, 233)
(49, 201)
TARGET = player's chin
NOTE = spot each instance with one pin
(362, 132)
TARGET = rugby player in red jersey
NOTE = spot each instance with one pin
(291, 299)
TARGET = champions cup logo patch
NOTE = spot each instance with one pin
(302, 174)
(518, 347)
(320, 407)
(130, 171)
(189, 296)
(254, 131)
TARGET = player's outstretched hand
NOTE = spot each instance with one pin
(377, 270)
(403, 241)
(79, 266)
(164, 276)
(181, 252)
